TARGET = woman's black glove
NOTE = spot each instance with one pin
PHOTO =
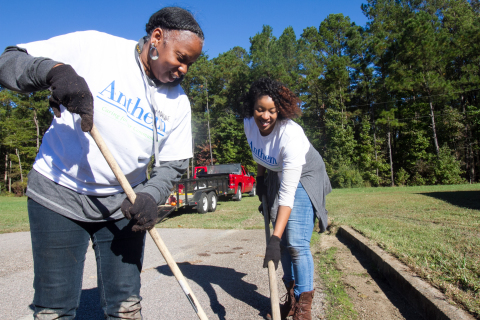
(143, 212)
(261, 188)
(70, 90)
(272, 252)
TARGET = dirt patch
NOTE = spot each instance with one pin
(372, 296)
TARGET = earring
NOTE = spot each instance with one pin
(150, 53)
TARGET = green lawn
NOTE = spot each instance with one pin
(13, 214)
(230, 214)
(435, 230)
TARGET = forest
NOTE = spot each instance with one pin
(391, 103)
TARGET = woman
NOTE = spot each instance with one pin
(296, 188)
(140, 110)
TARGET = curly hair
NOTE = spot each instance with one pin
(287, 103)
(174, 18)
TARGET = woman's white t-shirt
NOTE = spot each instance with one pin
(122, 114)
(283, 149)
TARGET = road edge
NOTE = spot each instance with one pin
(429, 301)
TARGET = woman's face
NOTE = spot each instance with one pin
(176, 53)
(265, 114)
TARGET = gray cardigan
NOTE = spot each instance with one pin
(315, 181)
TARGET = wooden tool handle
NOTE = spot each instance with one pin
(272, 275)
(153, 232)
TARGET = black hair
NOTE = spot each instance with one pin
(287, 103)
(174, 18)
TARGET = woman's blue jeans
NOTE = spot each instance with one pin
(59, 246)
(297, 260)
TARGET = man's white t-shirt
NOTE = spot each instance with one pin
(283, 149)
(122, 114)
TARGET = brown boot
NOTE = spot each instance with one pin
(303, 307)
(288, 307)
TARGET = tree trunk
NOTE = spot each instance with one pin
(193, 154)
(375, 145)
(374, 139)
(323, 126)
(208, 125)
(434, 131)
(341, 104)
(391, 162)
(6, 169)
(19, 164)
(38, 129)
(470, 163)
(10, 178)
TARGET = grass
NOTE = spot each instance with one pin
(339, 305)
(435, 230)
(230, 214)
(13, 214)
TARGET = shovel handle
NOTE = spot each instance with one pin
(153, 232)
(272, 275)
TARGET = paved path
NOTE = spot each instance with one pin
(223, 268)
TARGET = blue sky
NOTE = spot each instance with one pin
(225, 23)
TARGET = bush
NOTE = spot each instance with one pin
(424, 172)
(371, 179)
(417, 180)
(346, 177)
(402, 177)
(19, 187)
(447, 169)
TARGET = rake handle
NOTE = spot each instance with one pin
(153, 232)
(272, 275)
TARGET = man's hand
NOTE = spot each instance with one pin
(272, 252)
(71, 90)
(143, 212)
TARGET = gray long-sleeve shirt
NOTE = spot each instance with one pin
(315, 181)
(23, 73)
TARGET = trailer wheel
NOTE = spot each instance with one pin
(202, 206)
(212, 201)
(238, 195)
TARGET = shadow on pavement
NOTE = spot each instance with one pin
(226, 278)
(464, 199)
(90, 307)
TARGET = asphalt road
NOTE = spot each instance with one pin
(222, 267)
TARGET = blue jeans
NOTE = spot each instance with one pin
(59, 246)
(297, 260)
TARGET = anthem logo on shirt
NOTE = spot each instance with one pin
(131, 108)
(260, 155)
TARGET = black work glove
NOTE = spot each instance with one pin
(71, 90)
(143, 212)
(272, 252)
(261, 188)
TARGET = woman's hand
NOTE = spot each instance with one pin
(143, 212)
(272, 252)
(71, 90)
